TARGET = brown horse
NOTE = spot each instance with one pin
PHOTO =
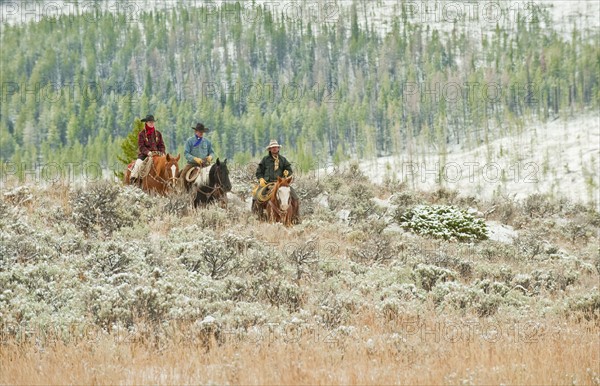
(274, 203)
(162, 176)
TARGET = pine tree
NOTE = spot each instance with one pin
(129, 147)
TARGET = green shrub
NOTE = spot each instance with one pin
(444, 222)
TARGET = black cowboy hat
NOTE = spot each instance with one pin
(201, 127)
(149, 118)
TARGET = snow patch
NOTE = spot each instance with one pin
(501, 232)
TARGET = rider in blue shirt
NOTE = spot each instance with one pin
(198, 150)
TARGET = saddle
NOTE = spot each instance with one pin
(197, 175)
(146, 167)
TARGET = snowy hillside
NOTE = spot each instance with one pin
(560, 158)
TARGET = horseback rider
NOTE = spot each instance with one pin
(274, 165)
(198, 151)
(150, 143)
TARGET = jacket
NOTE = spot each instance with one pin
(267, 165)
(148, 143)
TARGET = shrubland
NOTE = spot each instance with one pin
(105, 284)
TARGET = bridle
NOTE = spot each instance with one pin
(218, 187)
(169, 182)
(271, 202)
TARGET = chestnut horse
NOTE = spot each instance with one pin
(162, 176)
(274, 203)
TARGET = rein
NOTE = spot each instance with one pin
(169, 181)
(260, 197)
(275, 208)
(217, 186)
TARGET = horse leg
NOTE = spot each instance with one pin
(258, 209)
(223, 201)
(296, 213)
(197, 200)
(203, 197)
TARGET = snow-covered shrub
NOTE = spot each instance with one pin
(445, 260)
(364, 209)
(307, 189)
(443, 196)
(427, 276)
(539, 205)
(445, 222)
(178, 204)
(211, 257)
(405, 199)
(239, 243)
(350, 190)
(18, 195)
(97, 209)
(580, 229)
(376, 249)
(375, 225)
(496, 251)
(304, 258)
(336, 309)
(523, 282)
(109, 259)
(552, 280)
(212, 217)
(484, 297)
(285, 294)
(402, 291)
(588, 305)
(504, 209)
(263, 260)
(531, 243)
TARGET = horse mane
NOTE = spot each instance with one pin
(212, 174)
(159, 164)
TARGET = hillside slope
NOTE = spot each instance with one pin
(560, 158)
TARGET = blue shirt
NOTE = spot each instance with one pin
(203, 150)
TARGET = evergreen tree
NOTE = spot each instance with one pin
(129, 147)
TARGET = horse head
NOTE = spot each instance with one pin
(171, 170)
(283, 192)
(219, 176)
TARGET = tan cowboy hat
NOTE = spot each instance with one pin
(192, 174)
(273, 143)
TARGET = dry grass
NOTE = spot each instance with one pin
(547, 335)
(435, 351)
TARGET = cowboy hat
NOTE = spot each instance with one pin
(273, 143)
(149, 118)
(201, 127)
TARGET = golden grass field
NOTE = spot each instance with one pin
(435, 351)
